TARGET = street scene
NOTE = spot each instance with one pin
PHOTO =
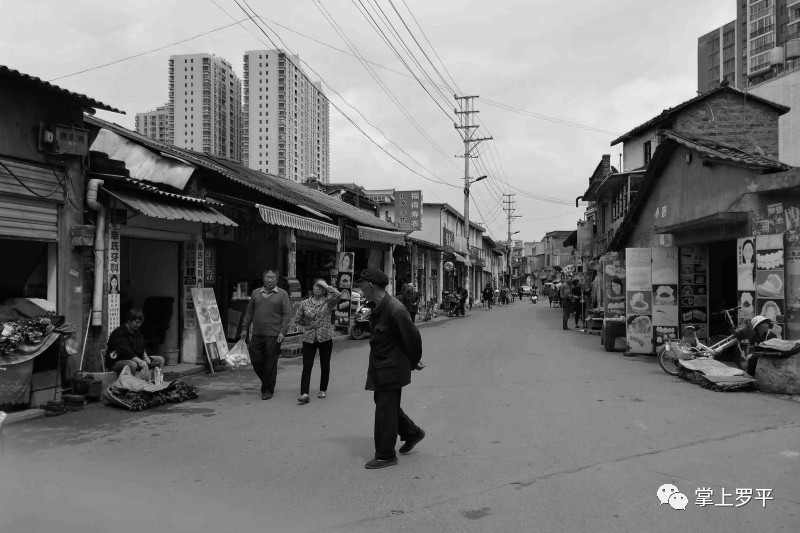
(400, 265)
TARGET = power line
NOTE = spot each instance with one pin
(550, 119)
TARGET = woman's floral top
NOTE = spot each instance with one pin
(316, 317)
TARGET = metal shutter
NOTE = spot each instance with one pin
(28, 219)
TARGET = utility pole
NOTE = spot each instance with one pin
(467, 109)
(508, 207)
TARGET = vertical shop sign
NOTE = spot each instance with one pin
(746, 277)
(208, 319)
(614, 290)
(408, 210)
(344, 282)
(694, 289)
(113, 277)
(792, 283)
(210, 274)
(770, 280)
(639, 300)
(189, 283)
(665, 294)
(448, 239)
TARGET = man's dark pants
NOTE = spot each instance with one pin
(566, 303)
(413, 315)
(390, 421)
(264, 351)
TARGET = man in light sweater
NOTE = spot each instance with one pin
(269, 312)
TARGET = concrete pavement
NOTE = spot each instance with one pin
(530, 428)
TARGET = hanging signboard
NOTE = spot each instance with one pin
(639, 300)
(694, 289)
(665, 294)
(113, 277)
(210, 324)
(408, 210)
(770, 280)
(746, 277)
(345, 262)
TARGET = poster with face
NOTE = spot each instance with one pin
(345, 274)
(613, 289)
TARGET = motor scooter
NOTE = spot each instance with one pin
(361, 325)
(534, 298)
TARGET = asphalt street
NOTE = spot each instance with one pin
(529, 428)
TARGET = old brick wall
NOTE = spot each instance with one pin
(735, 120)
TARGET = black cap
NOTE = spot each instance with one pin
(373, 275)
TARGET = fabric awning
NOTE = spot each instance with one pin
(276, 217)
(381, 235)
(709, 222)
(174, 208)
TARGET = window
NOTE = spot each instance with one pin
(647, 147)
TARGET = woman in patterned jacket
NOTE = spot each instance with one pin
(314, 315)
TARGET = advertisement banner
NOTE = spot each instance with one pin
(770, 280)
(113, 277)
(345, 262)
(210, 324)
(639, 300)
(613, 290)
(665, 294)
(694, 289)
(408, 210)
(746, 277)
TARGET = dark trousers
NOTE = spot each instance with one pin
(578, 308)
(309, 351)
(390, 421)
(461, 310)
(264, 352)
(413, 314)
(566, 305)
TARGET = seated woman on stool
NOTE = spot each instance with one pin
(762, 331)
(126, 346)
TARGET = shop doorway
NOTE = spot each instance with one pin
(150, 282)
(721, 284)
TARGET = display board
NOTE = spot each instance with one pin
(613, 290)
(792, 283)
(694, 289)
(746, 277)
(770, 280)
(665, 295)
(639, 300)
(114, 274)
(345, 262)
(210, 324)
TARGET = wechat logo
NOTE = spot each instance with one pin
(671, 495)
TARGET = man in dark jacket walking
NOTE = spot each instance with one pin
(395, 350)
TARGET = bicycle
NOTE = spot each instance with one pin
(673, 350)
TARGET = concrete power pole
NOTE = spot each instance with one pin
(508, 207)
(467, 109)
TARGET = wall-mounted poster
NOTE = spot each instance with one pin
(210, 324)
(345, 262)
(613, 290)
(770, 281)
(639, 299)
(693, 310)
(746, 277)
(113, 278)
(665, 294)
(792, 283)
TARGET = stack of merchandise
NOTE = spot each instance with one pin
(54, 408)
(74, 402)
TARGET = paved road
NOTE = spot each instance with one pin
(530, 428)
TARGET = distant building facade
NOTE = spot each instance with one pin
(286, 126)
(154, 124)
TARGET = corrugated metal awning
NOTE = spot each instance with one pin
(381, 235)
(276, 217)
(171, 210)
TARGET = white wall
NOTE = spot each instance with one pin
(785, 91)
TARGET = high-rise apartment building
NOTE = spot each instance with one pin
(286, 128)
(205, 105)
(154, 124)
(766, 44)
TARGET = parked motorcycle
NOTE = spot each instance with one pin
(534, 298)
(361, 325)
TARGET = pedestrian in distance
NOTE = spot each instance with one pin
(577, 296)
(565, 294)
(269, 312)
(395, 349)
(463, 295)
(409, 297)
(488, 296)
(314, 314)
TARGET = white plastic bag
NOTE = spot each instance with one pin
(238, 355)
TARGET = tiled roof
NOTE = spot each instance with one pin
(723, 152)
(273, 186)
(672, 110)
(15, 76)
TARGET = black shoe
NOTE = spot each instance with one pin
(413, 441)
(564, 327)
(266, 395)
(380, 463)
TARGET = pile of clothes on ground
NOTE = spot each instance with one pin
(135, 394)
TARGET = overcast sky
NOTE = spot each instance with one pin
(599, 64)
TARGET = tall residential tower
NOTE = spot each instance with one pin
(286, 128)
(205, 105)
